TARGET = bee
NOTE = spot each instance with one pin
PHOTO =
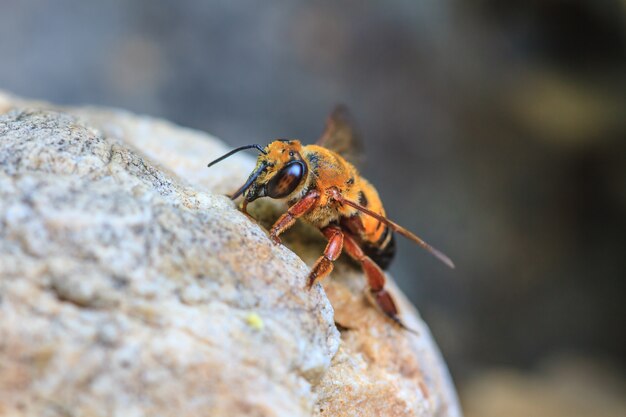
(323, 188)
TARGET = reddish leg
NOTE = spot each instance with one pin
(324, 265)
(287, 220)
(244, 207)
(375, 280)
(244, 210)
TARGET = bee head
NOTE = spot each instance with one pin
(278, 172)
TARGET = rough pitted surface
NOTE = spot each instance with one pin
(129, 286)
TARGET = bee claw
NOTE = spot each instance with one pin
(343, 328)
(403, 326)
(249, 216)
(311, 280)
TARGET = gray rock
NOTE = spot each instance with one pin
(130, 286)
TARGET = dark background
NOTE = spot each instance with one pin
(496, 130)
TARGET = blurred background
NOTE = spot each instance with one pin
(496, 130)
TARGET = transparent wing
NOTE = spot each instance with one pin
(341, 135)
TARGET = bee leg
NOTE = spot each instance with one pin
(342, 328)
(324, 265)
(244, 210)
(287, 220)
(376, 292)
(244, 207)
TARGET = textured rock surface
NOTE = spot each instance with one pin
(130, 286)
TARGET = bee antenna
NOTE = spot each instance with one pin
(234, 151)
(248, 183)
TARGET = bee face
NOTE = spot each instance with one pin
(279, 172)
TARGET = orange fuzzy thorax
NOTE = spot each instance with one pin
(326, 169)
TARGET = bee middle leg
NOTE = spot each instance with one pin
(324, 265)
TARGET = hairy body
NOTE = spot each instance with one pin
(323, 188)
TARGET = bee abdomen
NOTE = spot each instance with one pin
(382, 253)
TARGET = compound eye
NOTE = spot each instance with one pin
(287, 180)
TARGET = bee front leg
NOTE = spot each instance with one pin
(376, 292)
(324, 265)
(287, 220)
(244, 210)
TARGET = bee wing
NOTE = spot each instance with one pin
(397, 228)
(341, 135)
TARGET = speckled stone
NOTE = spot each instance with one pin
(130, 287)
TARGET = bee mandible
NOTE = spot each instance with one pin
(323, 188)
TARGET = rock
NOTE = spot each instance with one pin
(130, 286)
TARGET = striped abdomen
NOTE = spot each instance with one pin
(382, 253)
(376, 239)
